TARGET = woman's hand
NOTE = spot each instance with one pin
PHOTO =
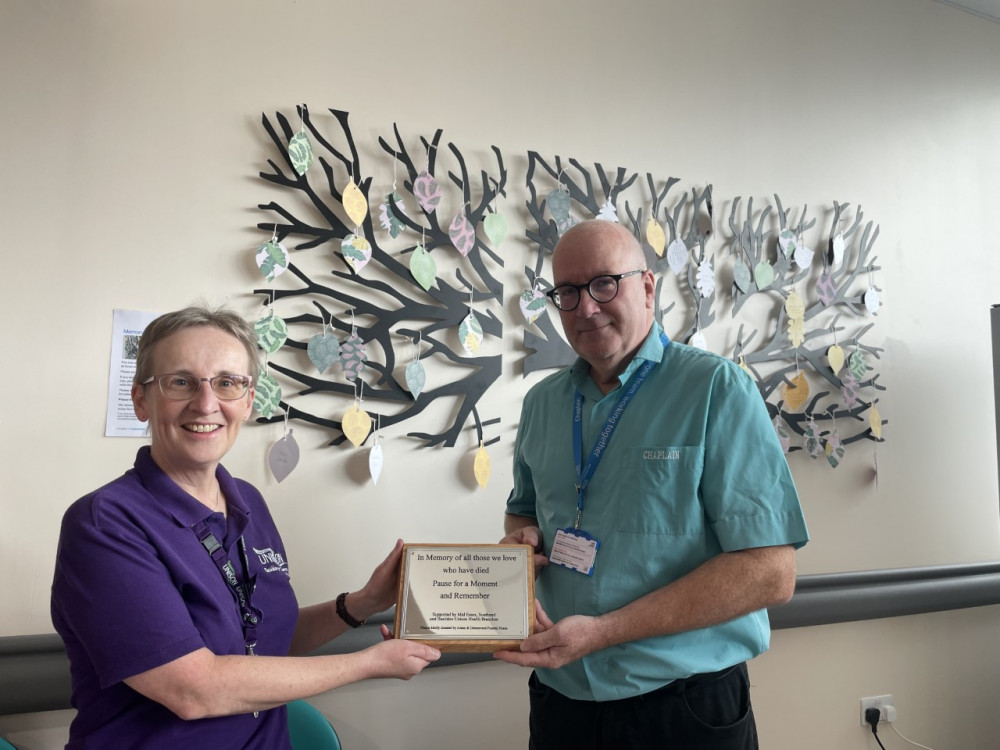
(380, 592)
(399, 659)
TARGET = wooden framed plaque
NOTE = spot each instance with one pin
(466, 597)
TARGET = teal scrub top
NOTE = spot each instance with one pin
(693, 469)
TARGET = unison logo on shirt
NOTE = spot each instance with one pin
(272, 561)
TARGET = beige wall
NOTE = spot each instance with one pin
(129, 180)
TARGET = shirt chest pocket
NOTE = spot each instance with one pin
(658, 490)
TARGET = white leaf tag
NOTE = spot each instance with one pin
(375, 459)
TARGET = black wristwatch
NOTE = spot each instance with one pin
(344, 614)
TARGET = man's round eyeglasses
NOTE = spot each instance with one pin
(601, 289)
(179, 386)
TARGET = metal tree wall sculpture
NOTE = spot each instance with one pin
(842, 290)
(373, 300)
(771, 262)
(333, 334)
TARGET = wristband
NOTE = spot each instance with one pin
(344, 614)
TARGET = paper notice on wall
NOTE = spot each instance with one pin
(125, 332)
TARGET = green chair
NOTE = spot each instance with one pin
(309, 729)
(4, 745)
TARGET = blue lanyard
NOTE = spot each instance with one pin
(584, 472)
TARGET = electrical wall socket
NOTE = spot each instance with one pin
(877, 701)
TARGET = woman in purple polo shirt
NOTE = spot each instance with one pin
(171, 587)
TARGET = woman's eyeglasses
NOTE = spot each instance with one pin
(179, 386)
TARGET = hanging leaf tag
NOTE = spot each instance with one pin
(356, 425)
(272, 260)
(872, 300)
(706, 279)
(283, 457)
(857, 365)
(267, 395)
(388, 218)
(416, 377)
(375, 459)
(558, 202)
(482, 467)
(357, 251)
(353, 356)
(462, 234)
(741, 276)
(608, 212)
(826, 289)
(532, 303)
(355, 203)
(495, 226)
(422, 267)
(470, 332)
(763, 274)
(835, 356)
(786, 241)
(875, 422)
(300, 152)
(655, 236)
(837, 246)
(677, 256)
(834, 450)
(795, 308)
(803, 255)
(271, 332)
(324, 351)
(796, 393)
(427, 191)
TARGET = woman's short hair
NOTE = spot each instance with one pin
(195, 316)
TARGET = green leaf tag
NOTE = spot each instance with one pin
(423, 267)
(324, 351)
(495, 226)
(272, 260)
(415, 378)
(300, 152)
(267, 395)
(271, 332)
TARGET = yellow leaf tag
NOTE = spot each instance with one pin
(835, 356)
(875, 422)
(796, 393)
(655, 237)
(356, 425)
(355, 204)
(482, 466)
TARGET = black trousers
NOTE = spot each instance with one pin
(704, 712)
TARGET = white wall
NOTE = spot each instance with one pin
(130, 181)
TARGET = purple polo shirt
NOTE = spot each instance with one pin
(134, 589)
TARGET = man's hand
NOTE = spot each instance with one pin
(530, 535)
(555, 644)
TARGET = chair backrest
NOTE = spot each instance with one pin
(310, 729)
(4, 745)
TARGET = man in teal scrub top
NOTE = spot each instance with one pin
(649, 480)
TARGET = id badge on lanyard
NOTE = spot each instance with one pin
(573, 547)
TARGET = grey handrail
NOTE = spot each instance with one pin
(34, 670)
